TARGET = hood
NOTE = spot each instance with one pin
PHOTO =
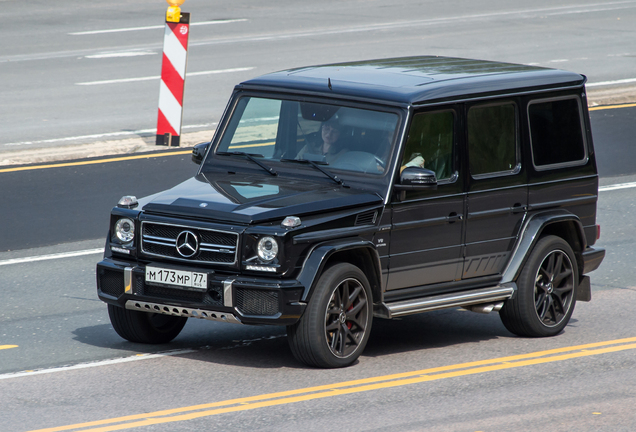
(254, 199)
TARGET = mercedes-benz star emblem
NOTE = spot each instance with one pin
(187, 244)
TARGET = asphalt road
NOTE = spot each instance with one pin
(90, 70)
(61, 363)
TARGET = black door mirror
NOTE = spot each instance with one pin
(198, 152)
(417, 178)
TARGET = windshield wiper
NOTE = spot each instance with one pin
(318, 167)
(250, 156)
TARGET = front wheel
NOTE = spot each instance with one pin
(145, 327)
(546, 293)
(335, 327)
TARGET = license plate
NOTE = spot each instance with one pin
(178, 278)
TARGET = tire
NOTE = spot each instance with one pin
(546, 293)
(144, 327)
(335, 327)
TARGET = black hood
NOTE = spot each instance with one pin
(254, 199)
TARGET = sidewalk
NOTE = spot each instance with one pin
(597, 96)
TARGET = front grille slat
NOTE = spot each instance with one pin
(215, 246)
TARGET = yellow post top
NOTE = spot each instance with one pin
(173, 14)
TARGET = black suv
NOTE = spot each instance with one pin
(334, 194)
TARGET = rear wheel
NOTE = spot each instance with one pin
(144, 327)
(546, 293)
(335, 328)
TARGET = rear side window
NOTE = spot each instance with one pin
(556, 132)
(492, 139)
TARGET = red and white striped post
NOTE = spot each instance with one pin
(173, 72)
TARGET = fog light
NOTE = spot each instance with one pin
(125, 230)
(267, 249)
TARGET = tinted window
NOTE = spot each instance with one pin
(492, 138)
(556, 132)
(430, 142)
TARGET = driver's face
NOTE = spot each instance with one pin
(330, 134)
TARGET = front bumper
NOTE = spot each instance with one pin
(228, 297)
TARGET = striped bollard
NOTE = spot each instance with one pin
(173, 72)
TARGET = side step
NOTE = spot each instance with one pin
(483, 296)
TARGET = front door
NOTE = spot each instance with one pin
(426, 236)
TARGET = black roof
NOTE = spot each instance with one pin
(417, 80)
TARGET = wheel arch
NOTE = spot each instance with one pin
(560, 223)
(356, 251)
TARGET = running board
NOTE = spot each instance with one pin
(485, 296)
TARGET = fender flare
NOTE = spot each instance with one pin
(530, 233)
(319, 256)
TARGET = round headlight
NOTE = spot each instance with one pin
(267, 248)
(125, 230)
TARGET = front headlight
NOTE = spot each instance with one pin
(267, 249)
(125, 230)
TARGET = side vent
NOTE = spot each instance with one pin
(366, 218)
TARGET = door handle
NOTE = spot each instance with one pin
(518, 208)
(454, 217)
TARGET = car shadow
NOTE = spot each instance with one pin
(265, 347)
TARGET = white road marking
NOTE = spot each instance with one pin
(607, 83)
(137, 357)
(92, 32)
(563, 10)
(156, 77)
(617, 186)
(104, 135)
(121, 54)
(51, 256)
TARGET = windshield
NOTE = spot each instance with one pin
(337, 137)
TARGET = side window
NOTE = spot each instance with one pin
(556, 132)
(430, 142)
(492, 139)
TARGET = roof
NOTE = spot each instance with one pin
(417, 80)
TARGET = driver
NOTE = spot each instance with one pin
(331, 144)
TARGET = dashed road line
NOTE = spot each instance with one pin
(154, 27)
(156, 77)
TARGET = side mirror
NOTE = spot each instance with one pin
(198, 152)
(417, 178)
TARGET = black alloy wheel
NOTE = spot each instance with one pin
(335, 327)
(546, 293)
(553, 288)
(346, 318)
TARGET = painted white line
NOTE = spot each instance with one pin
(51, 256)
(137, 357)
(607, 83)
(121, 54)
(156, 77)
(453, 20)
(104, 135)
(92, 32)
(617, 186)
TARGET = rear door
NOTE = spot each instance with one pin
(497, 186)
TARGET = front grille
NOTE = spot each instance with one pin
(111, 282)
(257, 302)
(215, 247)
